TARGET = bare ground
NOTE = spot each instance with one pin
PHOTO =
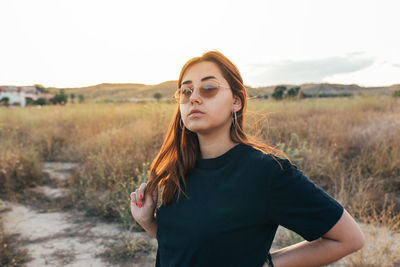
(68, 238)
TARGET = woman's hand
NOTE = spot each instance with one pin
(143, 206)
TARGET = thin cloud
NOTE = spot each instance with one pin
(305, 71)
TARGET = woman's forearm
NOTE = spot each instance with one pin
(308, 254)
(150, 227)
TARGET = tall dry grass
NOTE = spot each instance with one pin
(348, 146)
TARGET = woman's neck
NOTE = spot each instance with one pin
(212, 148)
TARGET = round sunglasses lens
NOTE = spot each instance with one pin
(209, 89)
(184, 94)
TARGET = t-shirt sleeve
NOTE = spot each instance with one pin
(298, 204)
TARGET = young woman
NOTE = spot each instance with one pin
(237, 190)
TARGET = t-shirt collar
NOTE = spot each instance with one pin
(214, 163)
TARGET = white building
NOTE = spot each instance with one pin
(17, 94)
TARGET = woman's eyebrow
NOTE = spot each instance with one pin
(203, 79)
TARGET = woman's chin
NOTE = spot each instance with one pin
(197, 128)
(194, 129)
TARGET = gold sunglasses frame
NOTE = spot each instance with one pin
(177, 92)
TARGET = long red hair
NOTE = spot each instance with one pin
(180, 148)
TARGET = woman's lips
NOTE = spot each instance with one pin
(195, 114)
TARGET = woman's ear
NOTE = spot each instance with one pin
(237, 104)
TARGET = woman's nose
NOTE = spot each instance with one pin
(195, 95)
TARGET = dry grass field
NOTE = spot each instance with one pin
(348, 146)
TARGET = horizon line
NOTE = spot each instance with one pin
(246, 85)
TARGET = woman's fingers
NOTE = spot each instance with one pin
(133, 199)
(137, 197)
(140, 194)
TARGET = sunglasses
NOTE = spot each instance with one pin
(208, 89)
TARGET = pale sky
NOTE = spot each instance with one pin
(79, 43)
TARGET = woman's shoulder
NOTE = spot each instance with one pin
(268, 161)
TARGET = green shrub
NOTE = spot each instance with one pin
(294, 149)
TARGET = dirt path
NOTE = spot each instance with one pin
(56, 238)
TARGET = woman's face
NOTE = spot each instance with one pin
(217, 110)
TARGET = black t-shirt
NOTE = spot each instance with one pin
(237, 201)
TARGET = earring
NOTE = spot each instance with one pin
(234, 119)
(180, 123)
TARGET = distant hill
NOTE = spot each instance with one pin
(126, 91)
(329, 88)
(120, 90)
